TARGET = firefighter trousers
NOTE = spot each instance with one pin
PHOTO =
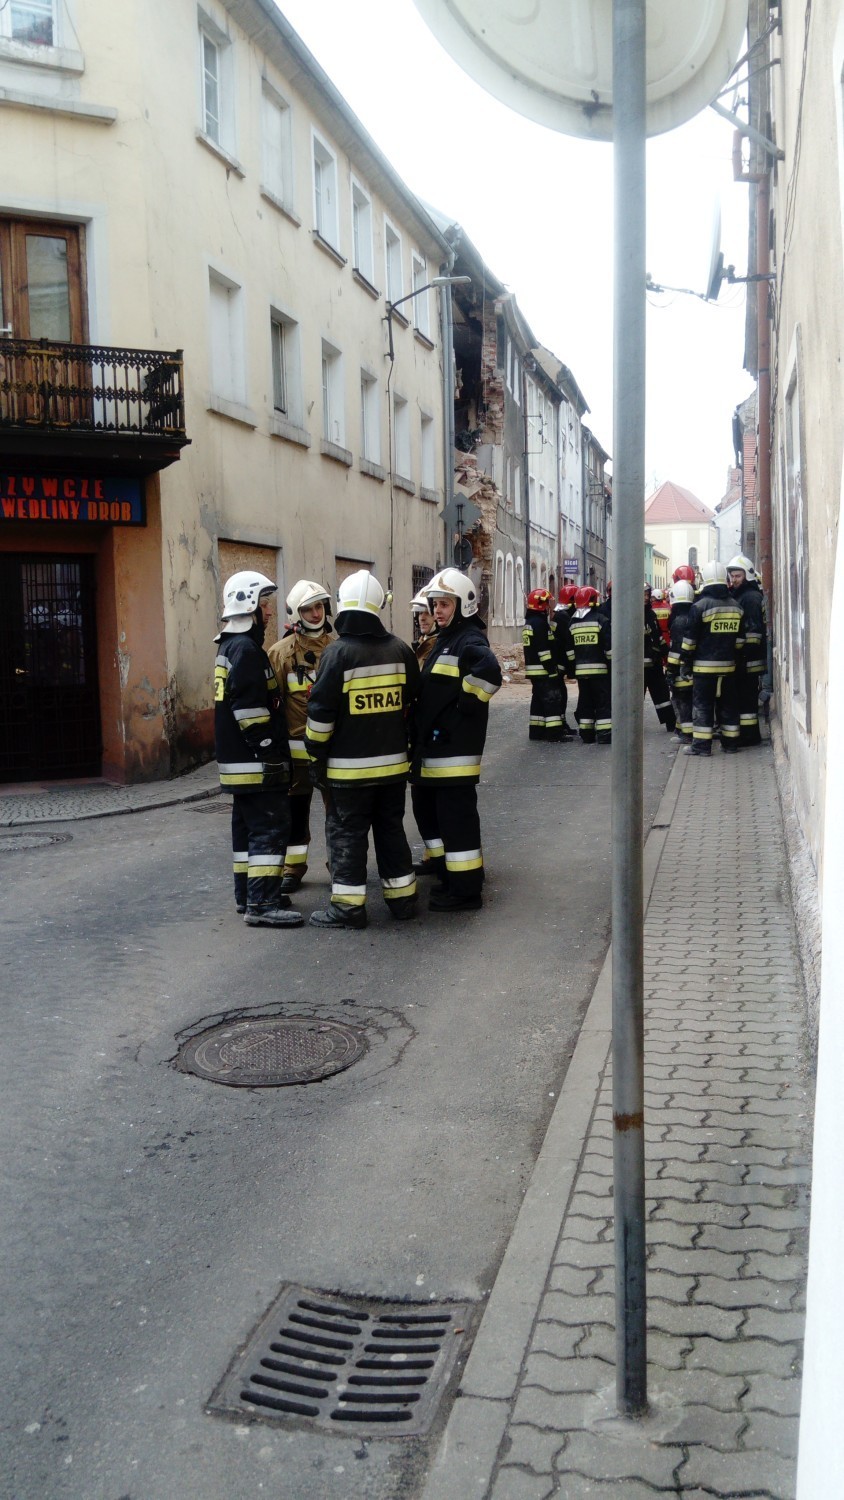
(594, 713)
(681, 701)
(546, 710)
(350, 814)
(709, 691)
(747, 691)
(260, 830)
(447, 817)
(296, 859)
(656, 685)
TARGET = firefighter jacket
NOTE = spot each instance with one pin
(562, 638)
(357, 725)
(538, 640)
(752, 601)
(654, 651)
(591, 647)
(249, 729)
(295, 659)
(424, 646)
(681, 678)
(450, 720)
(713, 633)
(662, 614)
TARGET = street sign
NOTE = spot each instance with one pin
(553, 62)
(571, 567)
(460, 514)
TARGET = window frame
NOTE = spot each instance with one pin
(363, 264)
(427, 451)
(233, 358)
(209, 31)
(8, 35)
(326, 225)
(421, 302)
(370, 417)
(272, 99)
(390, 289)
(401, 438)
(333, 394)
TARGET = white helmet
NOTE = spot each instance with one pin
(713, 572)
(301, 596)
(746, 566)
(361, 591)
(452, 584)
(242, 592)
(421, 601)
(681, 592)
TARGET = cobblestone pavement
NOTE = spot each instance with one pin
(727, 1135)
(64, 802)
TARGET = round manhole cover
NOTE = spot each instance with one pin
(14, 843)
(272, 1051)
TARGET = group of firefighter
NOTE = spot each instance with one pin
(355, 712)
(705, 654)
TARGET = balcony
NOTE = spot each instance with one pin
(79, 402)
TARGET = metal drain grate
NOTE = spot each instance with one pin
(217, 805)
(15, 843)
(370, 1368)
(272, 1051)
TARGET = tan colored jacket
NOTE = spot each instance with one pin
(295, 672)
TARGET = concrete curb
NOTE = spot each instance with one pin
(465, 1460)
(46, 807)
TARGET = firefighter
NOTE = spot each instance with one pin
(294, 660)
(744, 586)
(542, 669)
(655, 652)
(589, 655)
(561, 620)
(685, 574)
(458, 680)
(662, 614)
(356, 734)
(424, 645)
(682, 596)
(713, 639)
(252, 752)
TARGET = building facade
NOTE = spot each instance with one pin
(199, 245)
(680, 525)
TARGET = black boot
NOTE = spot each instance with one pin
(452, 901)
(353, 917)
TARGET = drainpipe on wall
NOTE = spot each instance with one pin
(447, 328)
(584, 491)
(763, 361)
(526, 480)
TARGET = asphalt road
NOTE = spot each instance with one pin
(150, 1218)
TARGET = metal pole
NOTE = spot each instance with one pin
(629, 81)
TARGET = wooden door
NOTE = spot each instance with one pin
(42, 298)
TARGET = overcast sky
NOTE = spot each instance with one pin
(538, 206)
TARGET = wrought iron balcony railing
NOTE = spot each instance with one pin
(58, 388)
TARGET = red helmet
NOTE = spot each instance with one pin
(585, 597)
(538, 599)
(684, 573)
(567, 593)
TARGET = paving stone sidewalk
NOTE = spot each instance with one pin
(727, 1138)
(63, 802)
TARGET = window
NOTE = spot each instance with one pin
(333, 412)
(401, 437)
(216, 84)
(515, 376)
(532, 498)
(421, 308)
(370, 425)
(693, 557)
(277, 165)
(517, 488)
(392, 244)
(520, 581)
(286, 360)
(498, 590)
(542, 517)
(362, 232)
(32, 22)
(428, 477)
(325, 193)
(228, 364)
(509, 592)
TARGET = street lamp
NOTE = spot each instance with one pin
(417, 292)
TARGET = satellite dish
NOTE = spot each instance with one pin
(715, 274)
(553, 62)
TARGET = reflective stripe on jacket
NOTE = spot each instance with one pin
(249, 729)
(714, 632)
(458, 680)
(358, 707)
